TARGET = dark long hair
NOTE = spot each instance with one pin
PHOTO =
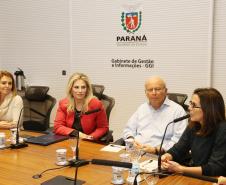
(212, 104)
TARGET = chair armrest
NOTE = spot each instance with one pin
(120, 142)
(107, 138)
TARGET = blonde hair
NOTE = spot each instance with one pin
(89, 92)
(8, 74)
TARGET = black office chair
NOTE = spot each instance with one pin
(179, 98)
(108, 103)
(98, 90)
(37, 108)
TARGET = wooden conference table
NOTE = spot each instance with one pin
(19, 165)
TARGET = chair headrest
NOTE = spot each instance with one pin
(98, 90)
(36, 93)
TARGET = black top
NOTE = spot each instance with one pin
(209, 152)
(77, 121)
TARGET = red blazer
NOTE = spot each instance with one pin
(95, 124)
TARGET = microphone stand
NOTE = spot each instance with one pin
(200, 177)
(150, 173)
(62, 180)
(159, 170)
(80, 162)
(77, 163)
(160, 149)
(18, 145)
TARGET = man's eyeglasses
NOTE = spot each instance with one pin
(193, 105)
(157, 90)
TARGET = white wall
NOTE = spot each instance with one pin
(178, 42)
(47, 36)
(34, 35)
(219, 49)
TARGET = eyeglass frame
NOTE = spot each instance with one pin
(193, 105)
(157, 89)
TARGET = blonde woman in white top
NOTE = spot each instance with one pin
(10, 103)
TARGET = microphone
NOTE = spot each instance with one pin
(80, 162)
(18, 145)
(92, 111)
(124, 165)
(74, 162)
(112, 163)
(181, 118)
(201, 177)
(160, 149)
(67, 180)
(77, 162)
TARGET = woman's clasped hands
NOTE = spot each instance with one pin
(170, 165)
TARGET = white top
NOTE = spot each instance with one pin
(147, 125)
(10, 109)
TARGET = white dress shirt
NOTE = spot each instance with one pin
(147, 125)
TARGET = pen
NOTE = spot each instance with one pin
(143, 154)
(118, 146)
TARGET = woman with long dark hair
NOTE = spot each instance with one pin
(204, 138)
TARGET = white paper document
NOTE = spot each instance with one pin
(149, 165)
(112, 148)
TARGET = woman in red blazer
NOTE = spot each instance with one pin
(81, 111)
